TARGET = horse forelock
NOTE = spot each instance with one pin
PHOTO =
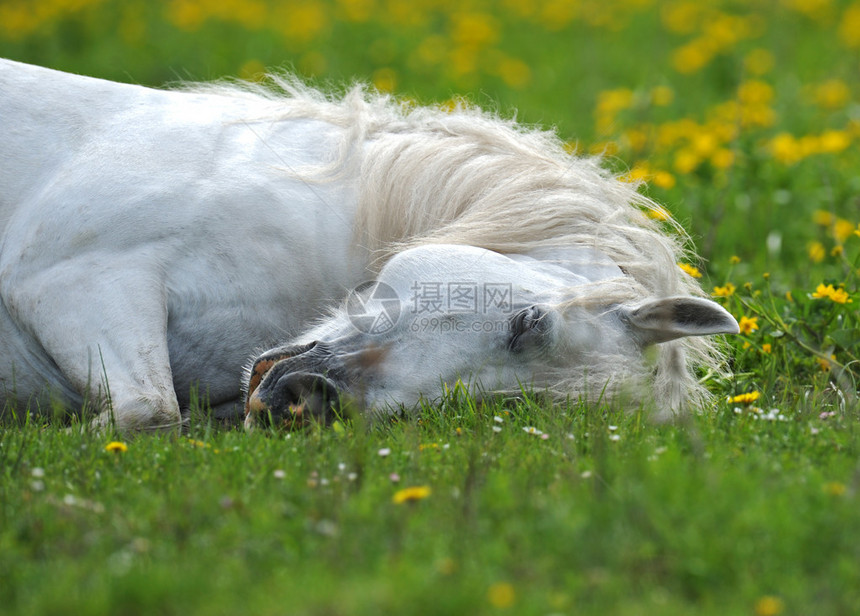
(465, 176)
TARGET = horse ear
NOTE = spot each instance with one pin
(665, 319)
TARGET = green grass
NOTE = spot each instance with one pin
(608, 514)
(743, 508)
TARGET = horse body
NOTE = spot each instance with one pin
(153, 240)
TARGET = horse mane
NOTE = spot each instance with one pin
(465, 176)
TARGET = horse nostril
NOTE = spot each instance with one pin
(300, 397)
(265, 362)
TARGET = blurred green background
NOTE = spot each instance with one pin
(743, 116)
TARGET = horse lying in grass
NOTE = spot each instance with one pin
(156, 241)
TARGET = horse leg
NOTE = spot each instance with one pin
(104, 326)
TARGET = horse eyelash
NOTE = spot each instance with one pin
(523, 322)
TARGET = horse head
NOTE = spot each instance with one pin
(566, 321)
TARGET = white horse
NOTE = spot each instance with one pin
(153, 239)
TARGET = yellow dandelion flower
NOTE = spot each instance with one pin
(785, 148)
(840, 296)
(832, 94)
(609, 104)
(116, 447)
(842, 229)
(691, 270)
(721, 31)
(849, 28)
(474, 29)
(410, 495)
(636, 138)
(670, 133)
(723, 158)
(664, 179)
(186, 15)
(726, 291)
(356, 10)
(613, 101)
(501, 595)
(825, 363)
(747, 398)
(724, 123)
(748, 324)
(755, 92)
(639, 173)
(691, 57)
(735, 260)
(766, 348)
(686, 161)
(822, 291)
(304, 22)
(704, 144)
(817, 252)
(769, 606)
(662, 214)
(789, 296)
(250, 14)
(833, 141)
(834, 488)
(604, 148)
(682, 17)
(758, 115)
(822, 218)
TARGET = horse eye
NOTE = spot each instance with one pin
(521, 324)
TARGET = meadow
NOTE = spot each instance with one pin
(742, 119)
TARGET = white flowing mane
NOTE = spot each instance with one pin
(464, 176)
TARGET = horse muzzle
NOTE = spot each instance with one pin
(287, 390)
